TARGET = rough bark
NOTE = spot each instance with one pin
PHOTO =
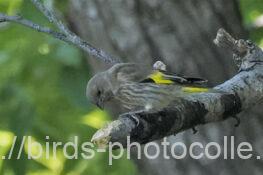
(179, 33)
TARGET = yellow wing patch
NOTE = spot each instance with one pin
(194, 89)
(158, 78)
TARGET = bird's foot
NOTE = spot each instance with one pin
(237, 119)
(194, 130)
(137, 121)
(133, 116)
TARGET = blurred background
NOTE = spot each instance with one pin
(43, 80)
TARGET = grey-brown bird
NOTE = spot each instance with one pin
(136, 87)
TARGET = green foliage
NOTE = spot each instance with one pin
(251, 10)
(10, 7)
(42, 92)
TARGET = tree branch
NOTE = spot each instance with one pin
(30, 24)
(237, 94)
(64, 33)
(51, 17)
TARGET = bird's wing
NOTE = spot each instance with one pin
(129, 72)
(164, 77)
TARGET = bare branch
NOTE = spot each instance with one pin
(51, 17)
(30, 24)
(224, 39)
(237, 94)
(64, 33)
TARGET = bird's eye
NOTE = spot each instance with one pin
(99, 93)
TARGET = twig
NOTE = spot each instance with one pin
(51, 17)
(64, 33)
(30, 24)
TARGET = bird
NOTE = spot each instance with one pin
(137, 87)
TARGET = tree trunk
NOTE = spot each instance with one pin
(180, 33)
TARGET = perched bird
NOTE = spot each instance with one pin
(136, 87)
(103, 86)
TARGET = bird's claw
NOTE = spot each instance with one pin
(237, 119)
(194, 130)
(135, 119)
(133, 115)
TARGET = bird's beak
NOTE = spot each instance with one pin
(100, 104)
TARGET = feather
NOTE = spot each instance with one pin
(164, 77)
